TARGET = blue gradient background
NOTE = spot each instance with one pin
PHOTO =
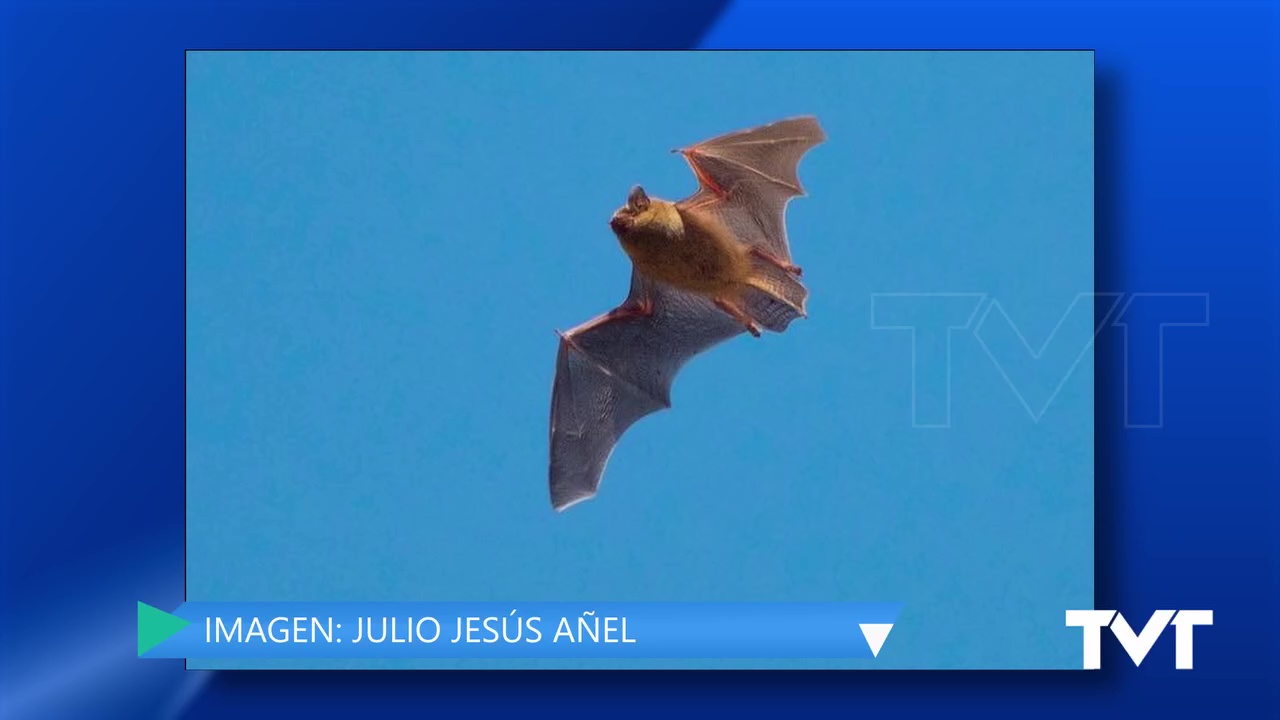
(378, 252)
(91, 226)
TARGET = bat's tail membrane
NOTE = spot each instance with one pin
(773, 296)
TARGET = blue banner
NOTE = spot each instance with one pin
(328, 630)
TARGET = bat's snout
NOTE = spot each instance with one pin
(619, 222)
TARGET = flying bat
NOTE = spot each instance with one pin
(704, 269)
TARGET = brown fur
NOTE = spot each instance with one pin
(694, 251)
(687, 250)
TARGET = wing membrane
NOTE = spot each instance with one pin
(747, 178)
(611, 372)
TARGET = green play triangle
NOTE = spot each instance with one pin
(155, 626)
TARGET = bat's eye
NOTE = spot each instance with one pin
(637, 200)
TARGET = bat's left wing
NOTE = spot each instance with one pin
(618, 368)
(747, 177)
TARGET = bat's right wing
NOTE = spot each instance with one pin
(614, 370)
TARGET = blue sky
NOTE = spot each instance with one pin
(380, 246)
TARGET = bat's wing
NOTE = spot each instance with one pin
(747, 177)
(614, 370)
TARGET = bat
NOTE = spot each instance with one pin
(704, 269)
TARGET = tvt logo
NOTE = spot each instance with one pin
(1139, 644)
(1034, 357)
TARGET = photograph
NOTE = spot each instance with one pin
(660, 327)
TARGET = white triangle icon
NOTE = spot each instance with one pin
(875, 633)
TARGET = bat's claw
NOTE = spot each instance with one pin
(641, 308)
(737, 313)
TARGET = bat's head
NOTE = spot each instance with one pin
(627, 216)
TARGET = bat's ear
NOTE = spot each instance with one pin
(637, 199)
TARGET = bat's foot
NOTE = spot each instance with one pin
(779, 262)
(740, 315)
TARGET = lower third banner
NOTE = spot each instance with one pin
(327, 630)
